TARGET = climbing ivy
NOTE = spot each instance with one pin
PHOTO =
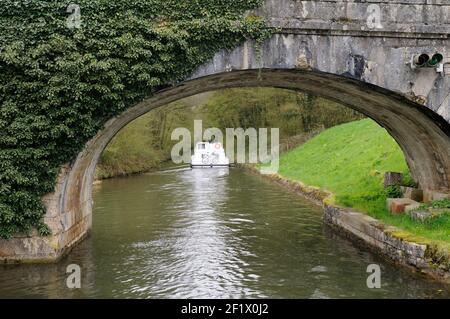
(59, 85)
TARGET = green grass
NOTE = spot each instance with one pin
(349, 160)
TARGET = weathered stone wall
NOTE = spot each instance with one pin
(327, 48)
(374, 60)
(377, 49)
(405, 18)
(387, 241)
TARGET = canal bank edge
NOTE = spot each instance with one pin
(388, 241)
(396, 245)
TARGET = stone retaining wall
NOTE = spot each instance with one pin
(387, 241)
(371, 233)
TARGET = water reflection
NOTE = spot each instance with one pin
(202, 249)
(211, 233)
(205, 251)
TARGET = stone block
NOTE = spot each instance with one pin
(392, 178)
(412, 193)
(398, 205)
(412, 207)
(424, 214)
(429, 196)
(436, 212)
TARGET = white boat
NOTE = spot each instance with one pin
(209, 155)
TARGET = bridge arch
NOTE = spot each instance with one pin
(423, 134)
(323, 48)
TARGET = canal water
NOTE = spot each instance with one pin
(211, 234)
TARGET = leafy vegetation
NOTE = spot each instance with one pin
(59, 85)
(437, 204)
(145, 144)
(294, 113)
(350, 160)
(407, 180)
(393, 191)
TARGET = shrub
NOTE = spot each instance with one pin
(438, 204)
(393, 191)
(408, 180)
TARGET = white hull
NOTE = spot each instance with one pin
(209, 165)
(209, 155)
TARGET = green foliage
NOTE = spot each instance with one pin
(408, 180)
(393, 191)
(438, 204)
(350, 160)
(294, 113)
(145, 144)
(444, 203)
(58, 86)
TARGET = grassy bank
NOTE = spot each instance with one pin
(349, 160)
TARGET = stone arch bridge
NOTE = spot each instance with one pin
(358, 53)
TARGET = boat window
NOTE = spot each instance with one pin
(201, 146)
